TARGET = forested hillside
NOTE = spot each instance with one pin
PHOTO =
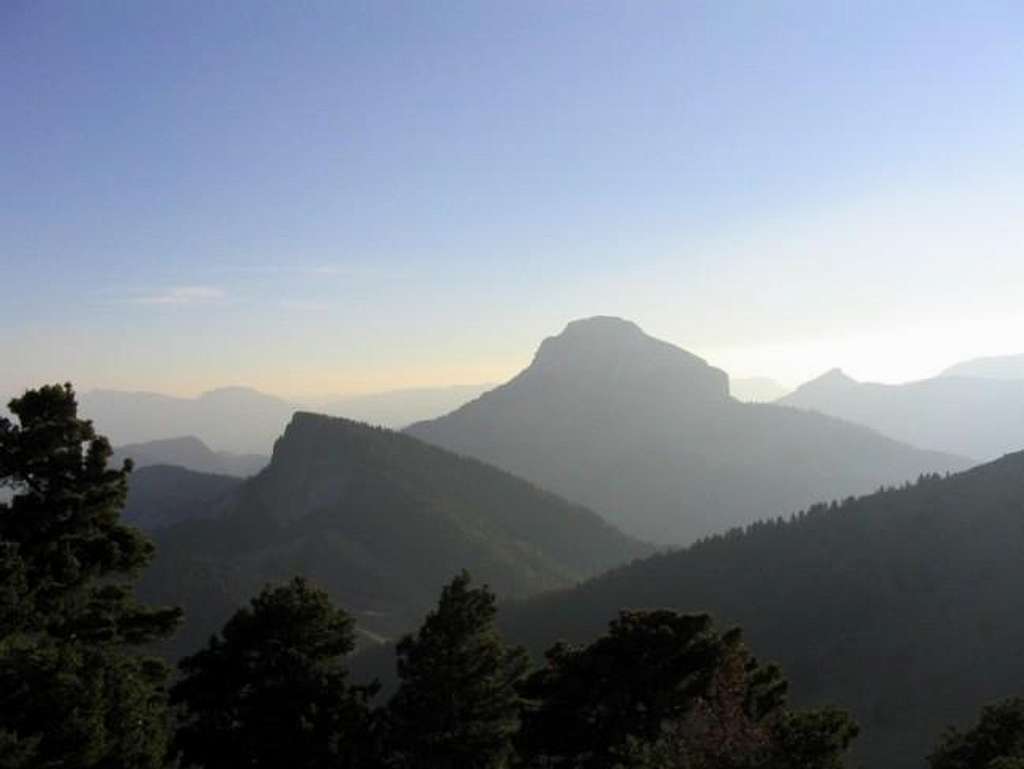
(381, 520)
(905, 605)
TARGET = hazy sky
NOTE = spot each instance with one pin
(340, 196)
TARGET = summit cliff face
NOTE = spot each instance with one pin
(647, 434)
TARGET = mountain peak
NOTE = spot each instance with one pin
(610, 350)
(834, 376)
(603, 325)
(307, 428)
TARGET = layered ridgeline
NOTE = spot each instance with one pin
(236, 419)
(648, 435)
(381, 520)
(904, 607)
(246, 422)
(973, 416)
(192, 454)
(399, 408)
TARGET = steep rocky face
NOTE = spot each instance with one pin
(647, 434)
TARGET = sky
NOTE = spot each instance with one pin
(341, 197)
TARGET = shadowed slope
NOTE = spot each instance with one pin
(904, 606)
(382, 521)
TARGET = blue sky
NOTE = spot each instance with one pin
(333, 197)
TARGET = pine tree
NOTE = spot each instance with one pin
(272, 690)
(995, 742)
(664, 690)
(457, 704)
(72, 690)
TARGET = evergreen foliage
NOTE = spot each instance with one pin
(272, 689)
(903, 606)
(995, 742)
(666, 690)
(457, 704)
(72, 691)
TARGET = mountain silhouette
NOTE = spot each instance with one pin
(239, 420)
(244, 421)
(380, 519)
(977, 417)
(192, 454)
(647, 435)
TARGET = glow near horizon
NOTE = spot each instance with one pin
(779, 192)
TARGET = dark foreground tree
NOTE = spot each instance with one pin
(995, 742)
(72, 690)
(666, 690)
(272, 690)
(457, 705)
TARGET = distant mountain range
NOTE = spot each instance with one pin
(192, 454)
(240, 420)
(756, 389)
(972, 416)
(647, 435)
(993, 367)
(400, 408)
(234, 419)
(379, 518)
(904, 606)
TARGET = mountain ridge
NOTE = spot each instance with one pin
(908, 597)
(382, 520)
(647, 434)
(191, 453)
(972, 416)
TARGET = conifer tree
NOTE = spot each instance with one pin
(272, 690)
(664, 690)
(72, 690)
(995, 742)
(457, 704)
